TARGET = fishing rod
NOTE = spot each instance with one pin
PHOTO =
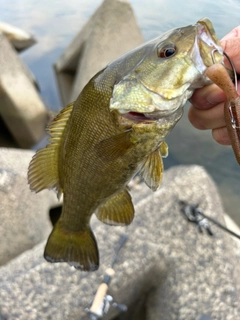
(195, 214)
(102, 301)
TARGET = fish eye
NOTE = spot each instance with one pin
(167, 51)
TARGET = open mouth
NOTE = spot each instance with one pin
(136, 116)
(145, 117)
(141, 117)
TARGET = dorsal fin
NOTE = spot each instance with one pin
(43, 168)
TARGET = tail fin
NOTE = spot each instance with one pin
(79, 249)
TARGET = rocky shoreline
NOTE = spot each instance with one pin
(178, 272)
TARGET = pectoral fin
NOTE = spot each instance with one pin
(114, 147)
(164, 149)
(118, 210)
(152, 169)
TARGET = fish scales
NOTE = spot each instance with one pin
(115, 129)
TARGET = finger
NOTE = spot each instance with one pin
(207, 119)
(207, 97)
(221, 136)
(235, 33)
(231, 47)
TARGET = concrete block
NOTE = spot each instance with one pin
(109, 33)
(19, 38)
(24, 215)
(21, 107)
(181, 273)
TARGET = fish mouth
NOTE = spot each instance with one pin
(138, 117)
(205, 44)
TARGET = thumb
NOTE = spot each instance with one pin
(231, 45)
(235, 33)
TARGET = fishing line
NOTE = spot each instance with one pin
(233, 69)
(121, 244)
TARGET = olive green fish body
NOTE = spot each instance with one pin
(115, 129)
(114, 152)
(91, 173)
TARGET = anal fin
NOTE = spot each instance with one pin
(152, 170)
(118, 210)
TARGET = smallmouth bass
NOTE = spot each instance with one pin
(115, 129)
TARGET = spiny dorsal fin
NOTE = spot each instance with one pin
(152, 170)
(164, 149)
(43, 168)
(118, 210)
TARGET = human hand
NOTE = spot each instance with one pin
(207, 109)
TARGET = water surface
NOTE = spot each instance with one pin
(55, 23)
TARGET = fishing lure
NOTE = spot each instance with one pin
(219, 75)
